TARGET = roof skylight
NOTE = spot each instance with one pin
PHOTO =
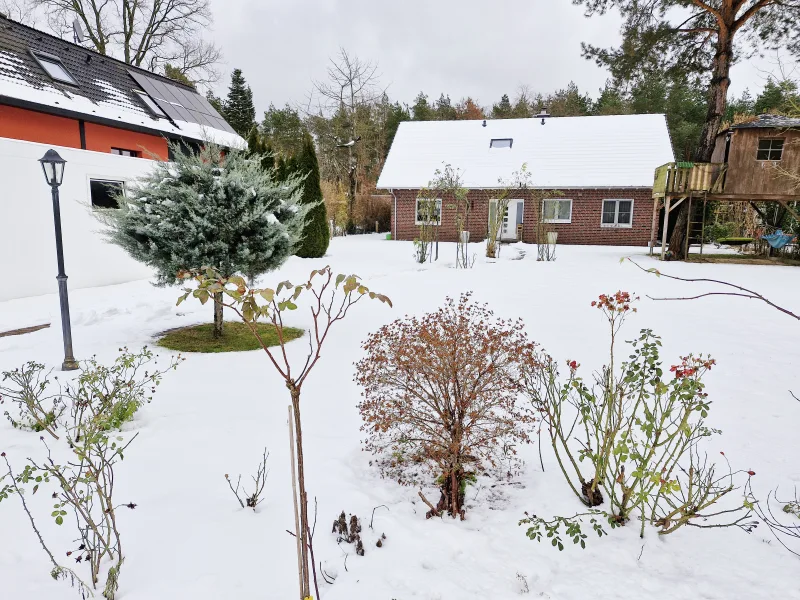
(54, 67)
(501, 143)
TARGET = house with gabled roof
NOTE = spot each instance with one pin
(598, 172)
(56, 92)
(108, 120)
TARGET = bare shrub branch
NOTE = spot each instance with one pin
(252, 499)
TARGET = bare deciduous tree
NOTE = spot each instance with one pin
(347, 95)
(19, 10)
(144, 33)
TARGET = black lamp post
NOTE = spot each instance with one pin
(53, 167)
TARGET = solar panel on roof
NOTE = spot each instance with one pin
(181, 104)
(187, 99)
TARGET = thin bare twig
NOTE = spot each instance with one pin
(743, 292)
(58, 570)
(373, 513)
(235, 491)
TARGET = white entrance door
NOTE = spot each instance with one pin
(512, 216)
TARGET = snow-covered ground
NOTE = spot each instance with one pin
(188, 538)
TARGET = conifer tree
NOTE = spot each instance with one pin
(503, 109)
(209, 210)
(240, 113)
(421, 110)
(316, 235)
(216, 102)
(255, 146)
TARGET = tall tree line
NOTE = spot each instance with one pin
(352, 133)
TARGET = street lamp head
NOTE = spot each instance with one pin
(53, 167)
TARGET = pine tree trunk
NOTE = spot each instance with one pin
(304, 532)
(717, 98)
(218, 315)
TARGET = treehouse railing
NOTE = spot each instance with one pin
(682, 178)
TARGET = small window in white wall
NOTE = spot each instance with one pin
(557, 211)
(105, 193)
(617, 213)
(428, 211)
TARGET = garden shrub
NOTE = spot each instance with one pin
(440, 396)
(97, 402)
(26, 387)
(111, 395)
(633, 437)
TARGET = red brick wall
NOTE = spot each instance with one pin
(587, 206)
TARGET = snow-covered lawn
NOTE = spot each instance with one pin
(188, 538)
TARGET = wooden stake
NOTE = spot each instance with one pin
(296, 510)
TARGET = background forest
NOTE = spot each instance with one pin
(353, 119)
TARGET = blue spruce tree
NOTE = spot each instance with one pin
(207, 209)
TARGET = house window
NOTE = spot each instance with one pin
(428, 211)
(617, 213)
(105, 193)
(123, 152)
(557, 211)
(54, 67)
(771, 149)
(501, 143)
(151, 105)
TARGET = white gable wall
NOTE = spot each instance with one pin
(27, 241)
(566, 152)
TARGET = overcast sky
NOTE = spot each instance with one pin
(460, 47)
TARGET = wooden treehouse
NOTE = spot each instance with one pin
(749, 164)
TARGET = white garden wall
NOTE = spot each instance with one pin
(27, 243)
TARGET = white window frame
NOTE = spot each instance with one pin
(770, 150)
(102, 179)
(438, 209)
(545, 200)
(616, 224)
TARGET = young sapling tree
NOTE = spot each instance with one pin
(429, 217)
(498, 209)
(447, 189)
(331, 297)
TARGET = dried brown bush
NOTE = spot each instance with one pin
(441, 396)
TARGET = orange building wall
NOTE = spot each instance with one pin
(101, 138)
(31, 126)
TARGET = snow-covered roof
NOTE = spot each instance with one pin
(566, 152)
(105, 90)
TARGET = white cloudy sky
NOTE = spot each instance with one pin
(461, 47)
